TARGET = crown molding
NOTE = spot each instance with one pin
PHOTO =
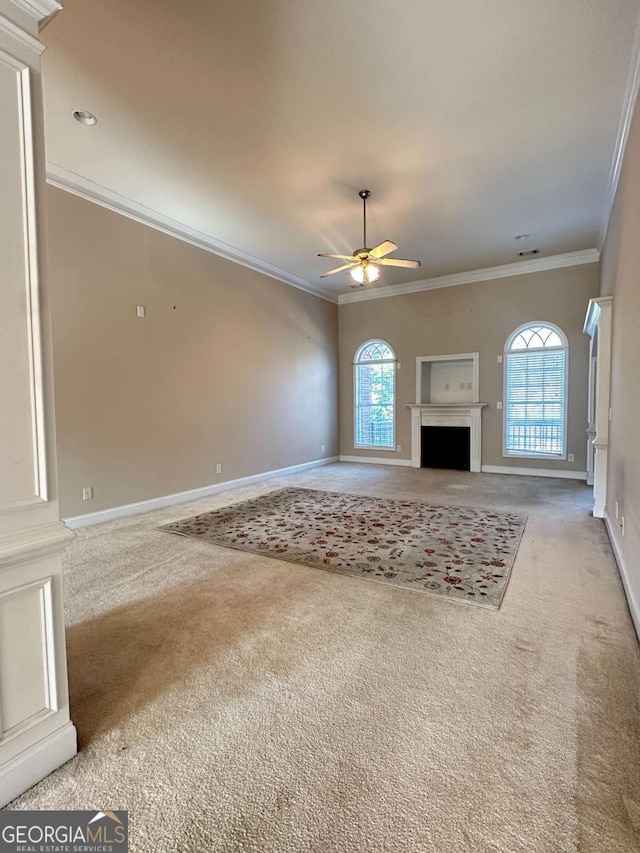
(628, 107)
(98, 194)
(570, 259)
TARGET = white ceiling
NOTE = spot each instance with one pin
(257, 121)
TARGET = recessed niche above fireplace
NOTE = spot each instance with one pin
(447, 378)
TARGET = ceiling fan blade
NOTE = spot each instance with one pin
(396, 262)
(383, 249)
(338, 269)
(340, 257)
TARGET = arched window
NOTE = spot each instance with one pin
(375, 388)
(535, 378)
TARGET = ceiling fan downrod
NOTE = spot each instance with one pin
(364, 195)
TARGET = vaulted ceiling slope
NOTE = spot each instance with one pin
(257, 121)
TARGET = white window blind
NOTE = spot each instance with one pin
(375, 368)
(535, 410)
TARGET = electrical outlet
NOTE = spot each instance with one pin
(498, 405)
(322, 448)
(218, 468)
(140, 310)
(87, 493)
(622, 524)
(398, 448)
(499, 359)
(571, 457)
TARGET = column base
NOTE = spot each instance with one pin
(31, 766)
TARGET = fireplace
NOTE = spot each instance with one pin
(446, 447)
(465, 417)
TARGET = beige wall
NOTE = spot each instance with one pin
(621, 279)
(473, 318)
(228, 366)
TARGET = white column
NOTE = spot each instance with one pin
(598, 324)
(416, 441)
(591, 405)
(476, 440)
(36, 735)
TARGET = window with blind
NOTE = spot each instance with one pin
(535, 407)
(374, 385)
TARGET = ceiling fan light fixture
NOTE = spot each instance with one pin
(364, 264)
(365, 273)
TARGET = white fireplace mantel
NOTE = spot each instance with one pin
(449, 415)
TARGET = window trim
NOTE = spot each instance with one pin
(356, 363)
(518, 454)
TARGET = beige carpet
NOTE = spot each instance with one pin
(232, 702)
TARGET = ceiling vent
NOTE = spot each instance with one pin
(528, 253)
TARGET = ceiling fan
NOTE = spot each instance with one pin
(365, 263)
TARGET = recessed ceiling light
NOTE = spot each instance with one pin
(85, 117)
(522, 236)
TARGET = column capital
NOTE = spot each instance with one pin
(27, 16)
(41, 10)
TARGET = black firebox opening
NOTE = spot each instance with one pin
(446, 447)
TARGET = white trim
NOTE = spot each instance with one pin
(474, 357)
(632, 601)
(598, 321)
(38, 9)
(517, 454)
(32, 543)
(32, 765)
(21, 35)
(96, 193)
(356, 365)
(34, 331)
(140, 507)
(48, 676)
(447, 414)
(570, 259)
(535, 472)
(31, 282)
(543, 324)
(363, 347)
(628, 107)
(594, 311)
(511, 454)
(374, 460)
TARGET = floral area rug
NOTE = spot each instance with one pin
(462, 553)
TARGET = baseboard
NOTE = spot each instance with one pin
(32, 765)
(632, 601)
(534, 472)
(376, 460)
(141, 507)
